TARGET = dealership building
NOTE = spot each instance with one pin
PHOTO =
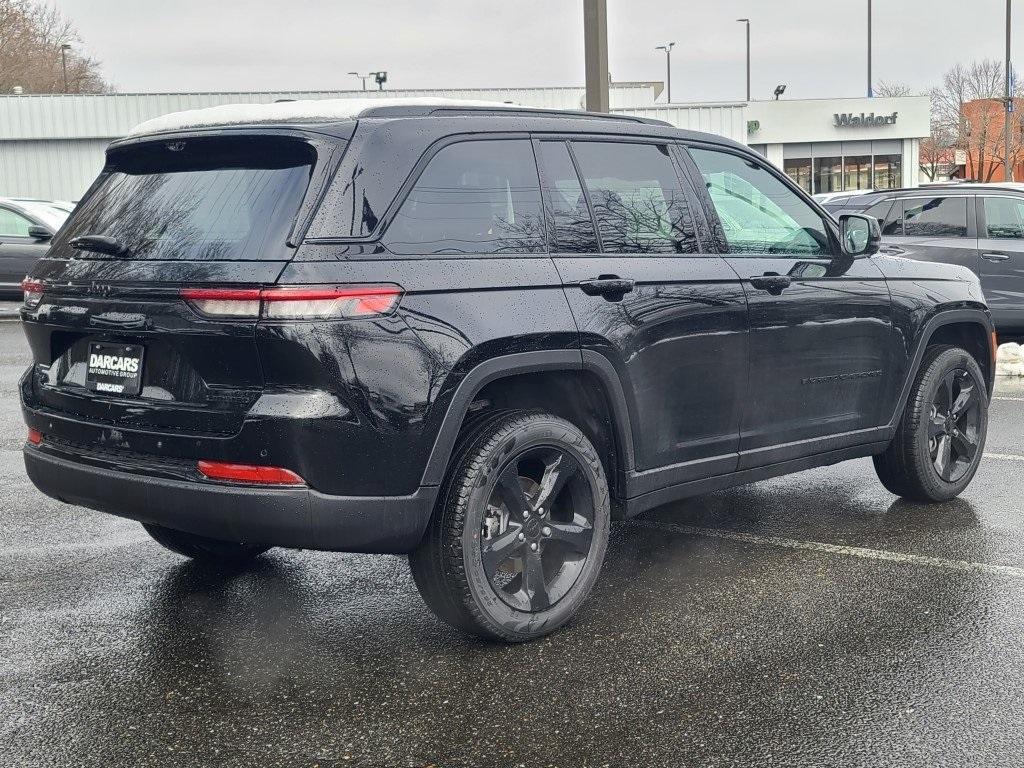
(825, 145)
(51, 146)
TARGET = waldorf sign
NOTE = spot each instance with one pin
(863, 120)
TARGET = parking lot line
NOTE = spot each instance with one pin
(1010, 399)
(834, 549)
(1004, 456)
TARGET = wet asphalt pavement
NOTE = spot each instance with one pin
(810, 620)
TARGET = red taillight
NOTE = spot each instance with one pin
(249, 473)
(296, 302)
(35, 436)
(32, 290)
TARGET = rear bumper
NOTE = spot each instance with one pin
(285, 517)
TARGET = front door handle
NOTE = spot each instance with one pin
(771, 282)
(611, 287)
(995, 256)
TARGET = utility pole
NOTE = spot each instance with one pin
(668, 67)
(1008, 116)
(595, 47)
(747, 22)
(871, 89)
(64, 63)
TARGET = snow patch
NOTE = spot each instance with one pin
(1010, 360)
(307, 111)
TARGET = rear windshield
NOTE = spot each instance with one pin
(197, 200)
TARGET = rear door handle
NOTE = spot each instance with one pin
(774, 284)
(609, 286)
(995, 256)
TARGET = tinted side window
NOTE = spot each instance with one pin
(935, 217)
(570, 215)
(1004, 217)
(638, 200)
(759, 213)
(893, 222)
(13, 224)
(473, 197)
(879, 210)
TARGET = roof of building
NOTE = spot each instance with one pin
(32, 117)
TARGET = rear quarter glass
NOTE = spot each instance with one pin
(199, 199)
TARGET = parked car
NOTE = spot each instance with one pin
(979, 226)
(476, 335)
(59, 208)
(832, 197)
(25, 231)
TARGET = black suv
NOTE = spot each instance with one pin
(475, 335)
(980, 226)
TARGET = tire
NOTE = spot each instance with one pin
(932, 457)
(202, 548)
(520, 529)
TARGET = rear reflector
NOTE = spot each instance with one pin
(35, 436)
(296, 302)
(32, 290)
(249, 473)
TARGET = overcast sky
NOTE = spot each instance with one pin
(816, 47)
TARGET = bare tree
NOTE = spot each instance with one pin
(981, 135)
(32, 35)
(885, 89)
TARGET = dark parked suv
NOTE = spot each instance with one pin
(980, 226)
(475, 335)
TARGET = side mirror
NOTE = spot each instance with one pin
(39, 232)
(859, 234)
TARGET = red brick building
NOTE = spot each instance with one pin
(984, 120)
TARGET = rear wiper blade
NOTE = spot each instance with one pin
(98, 244)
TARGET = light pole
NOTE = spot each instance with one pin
(595, 54)
(871, 90)
(64, 63)
(747, 22)
(668, 67)
(1009, 102)
(364, 78)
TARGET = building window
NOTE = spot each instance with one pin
(828, 174)
(857, 172)
(888, 171)
(799, 170)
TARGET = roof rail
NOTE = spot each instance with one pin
(511, 110)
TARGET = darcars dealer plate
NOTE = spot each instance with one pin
(114, 369)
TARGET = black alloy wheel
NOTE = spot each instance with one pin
(940, 440)
(520, 528)
(538, 528)
(954, 425)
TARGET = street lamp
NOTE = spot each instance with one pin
(64, 63)
(747, 22)
(668, 67)
(364, 78)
